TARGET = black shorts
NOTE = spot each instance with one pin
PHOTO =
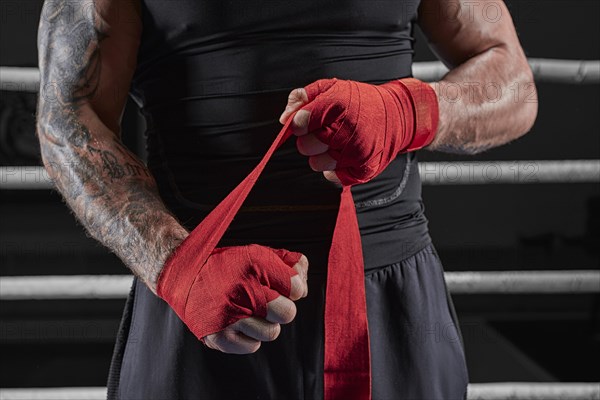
(416, 348)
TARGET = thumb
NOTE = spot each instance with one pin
(296, 99)
(301, 96)
(332, 177)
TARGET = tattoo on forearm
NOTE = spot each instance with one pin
(113, 169)
(110, 190)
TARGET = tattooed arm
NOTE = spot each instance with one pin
(87, 53)
(488, 98)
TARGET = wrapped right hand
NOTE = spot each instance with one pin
(239, 297)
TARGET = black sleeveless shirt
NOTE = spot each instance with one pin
(213, 77)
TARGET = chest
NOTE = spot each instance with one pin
(206, 17)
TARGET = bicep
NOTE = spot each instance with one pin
(461, 29)
(87, 53)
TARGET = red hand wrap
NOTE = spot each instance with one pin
(366, 126)
(234, 283)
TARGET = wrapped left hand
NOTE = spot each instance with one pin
(352, 130)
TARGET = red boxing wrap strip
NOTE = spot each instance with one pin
(210, 288)
(365, 126)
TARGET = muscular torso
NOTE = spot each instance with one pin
(212, 78)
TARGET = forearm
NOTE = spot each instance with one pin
(485, 102)
(111, 193)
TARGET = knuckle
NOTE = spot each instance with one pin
(272, 331)
(329, 163)
(288, 313)
(252, 248)
(233, 343)
(295, 95)
(297, 288)
(313, 162)
(300, 146)
(227, 335)
(209, 341)
(303, 261)
(253, 348)
(298, 123)
(220, 341)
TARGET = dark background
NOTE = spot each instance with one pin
(494, 227)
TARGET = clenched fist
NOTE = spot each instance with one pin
(239, 297)
(352, 130)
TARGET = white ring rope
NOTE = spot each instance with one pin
(75, 393)
(476, 391)
(523, 282)
(565, 71)
(24, 79)
(19, 79)
(468, 282)
(64, 287)
(489, 172)
(432, 173)
(534, 391)
(544, 70)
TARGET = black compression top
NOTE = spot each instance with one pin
(212, 79)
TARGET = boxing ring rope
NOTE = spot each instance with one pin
(476, 391)
(534, 391)
(544, 70)
(55, 287)
(82, 393)
(432, 173)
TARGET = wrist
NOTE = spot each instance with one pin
(425, 112)
(418, 107)
(170, 240)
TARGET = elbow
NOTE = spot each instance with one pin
(44, 126)
(530, 115)
(51, 144)
(44, 140)
(528, 107)
(520, 104)
(49, 155)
